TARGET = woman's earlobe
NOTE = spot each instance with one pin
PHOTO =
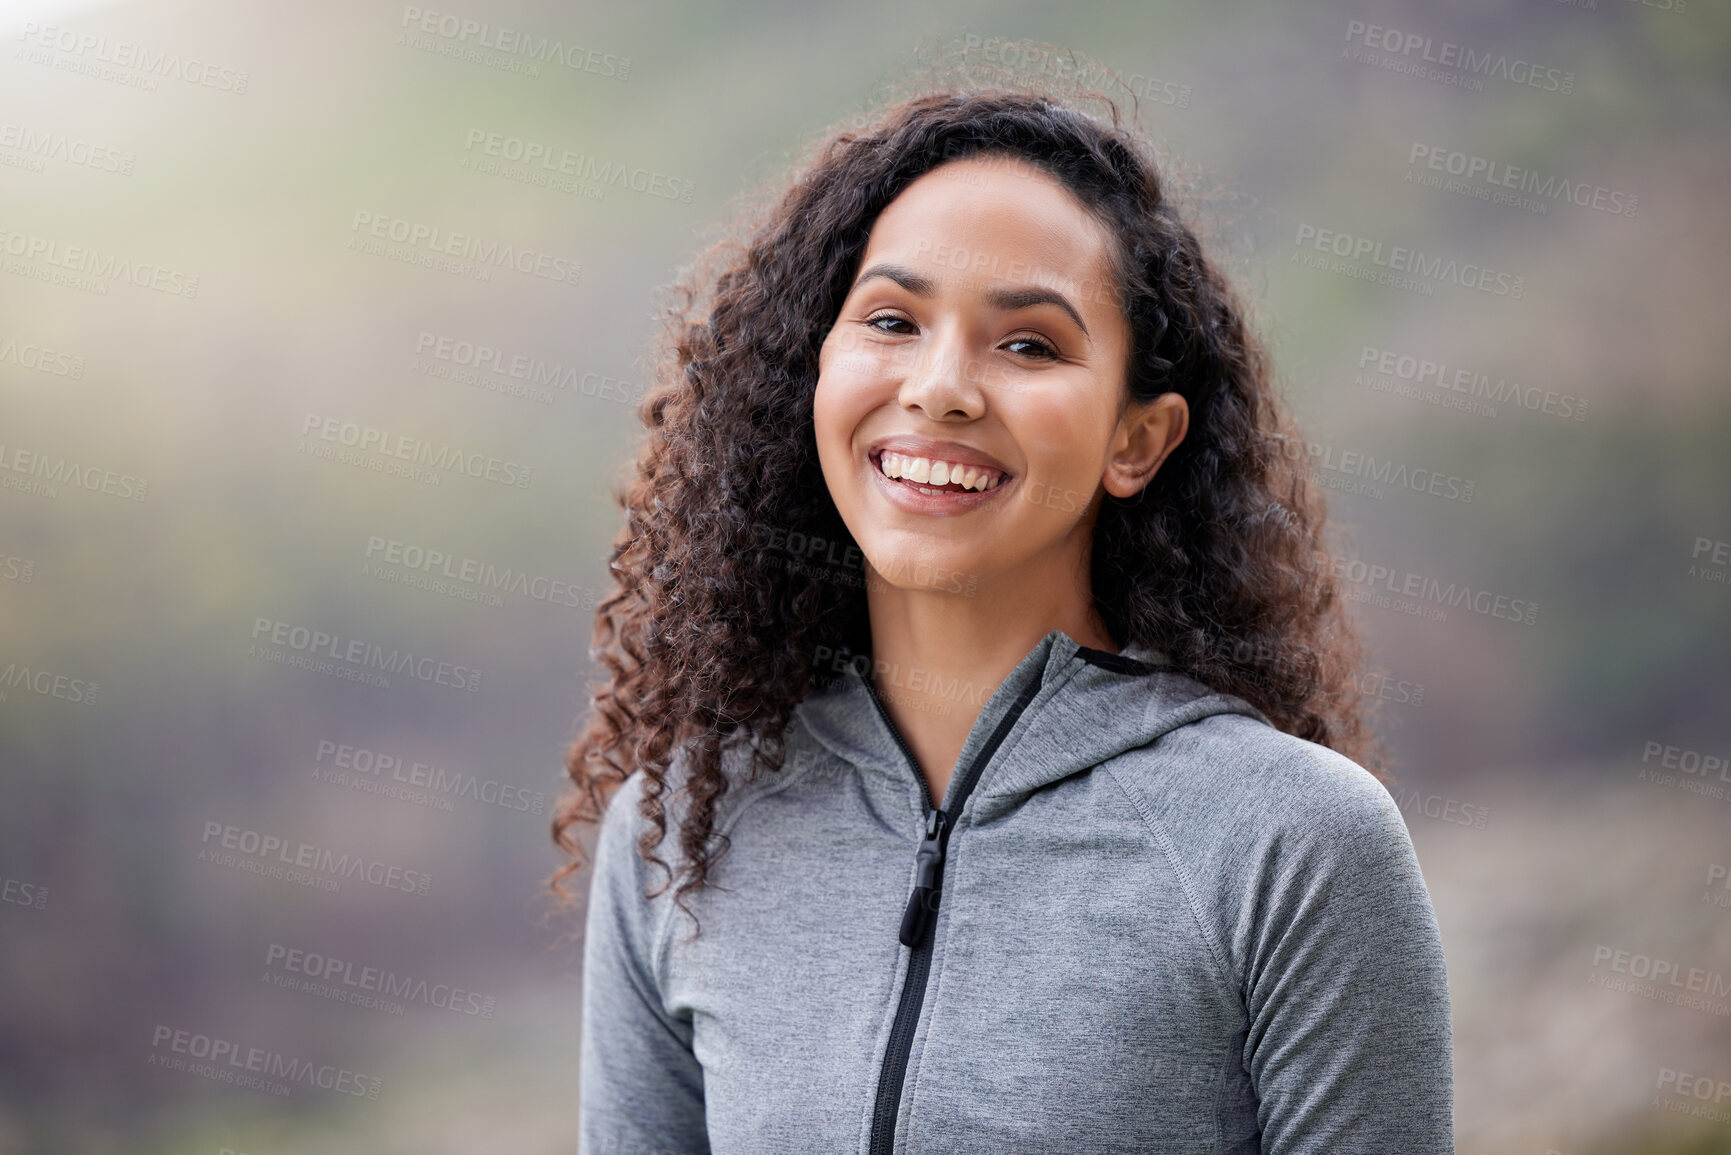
(1129, 481)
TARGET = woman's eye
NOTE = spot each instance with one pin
(878, 322)
(1040, 350)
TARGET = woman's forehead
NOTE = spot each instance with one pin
(1008, 202)
(988, 224)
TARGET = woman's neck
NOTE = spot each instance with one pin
(937, 656)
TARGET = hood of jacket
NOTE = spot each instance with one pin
(1087, 706)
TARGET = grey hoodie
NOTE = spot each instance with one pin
(1143, 920)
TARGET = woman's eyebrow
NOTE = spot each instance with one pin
(1006, 299)
(1012, 299)
(902, 275)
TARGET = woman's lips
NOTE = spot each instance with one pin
(915, 496)
(937, 473)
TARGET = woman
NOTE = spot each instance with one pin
(974, 645)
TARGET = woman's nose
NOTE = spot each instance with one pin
(943, 381)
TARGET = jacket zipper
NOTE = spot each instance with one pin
(922, 910)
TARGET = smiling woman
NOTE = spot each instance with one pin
(929, 373)
(974, 639)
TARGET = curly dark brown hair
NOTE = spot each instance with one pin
(709, 637)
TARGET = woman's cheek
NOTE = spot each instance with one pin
(840, 404)
(1051, 498)
(1058, 484)
(831, 432)
(849, 372)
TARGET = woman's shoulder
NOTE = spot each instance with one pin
(1229, 781)
(742, 776)
(1277, 838)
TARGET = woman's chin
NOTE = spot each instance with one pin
(944, 571)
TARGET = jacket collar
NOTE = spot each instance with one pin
(1089, 706)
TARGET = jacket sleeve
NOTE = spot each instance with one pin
(640, 1087)
(1349, 1045)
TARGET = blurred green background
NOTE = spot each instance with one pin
(145, 721)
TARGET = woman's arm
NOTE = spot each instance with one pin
(640, 1088)
(1349, 1046)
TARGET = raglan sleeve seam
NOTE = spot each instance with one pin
(1186, 886)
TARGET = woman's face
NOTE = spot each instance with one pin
(982, 332)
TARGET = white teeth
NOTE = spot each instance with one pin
(926, 471)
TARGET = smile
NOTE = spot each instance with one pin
(933, 476)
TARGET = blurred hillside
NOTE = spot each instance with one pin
(1592, 423)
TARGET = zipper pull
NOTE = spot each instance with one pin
(923, 902)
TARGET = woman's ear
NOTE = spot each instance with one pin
(1147, 433)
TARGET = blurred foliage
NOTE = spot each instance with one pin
(156, 600)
